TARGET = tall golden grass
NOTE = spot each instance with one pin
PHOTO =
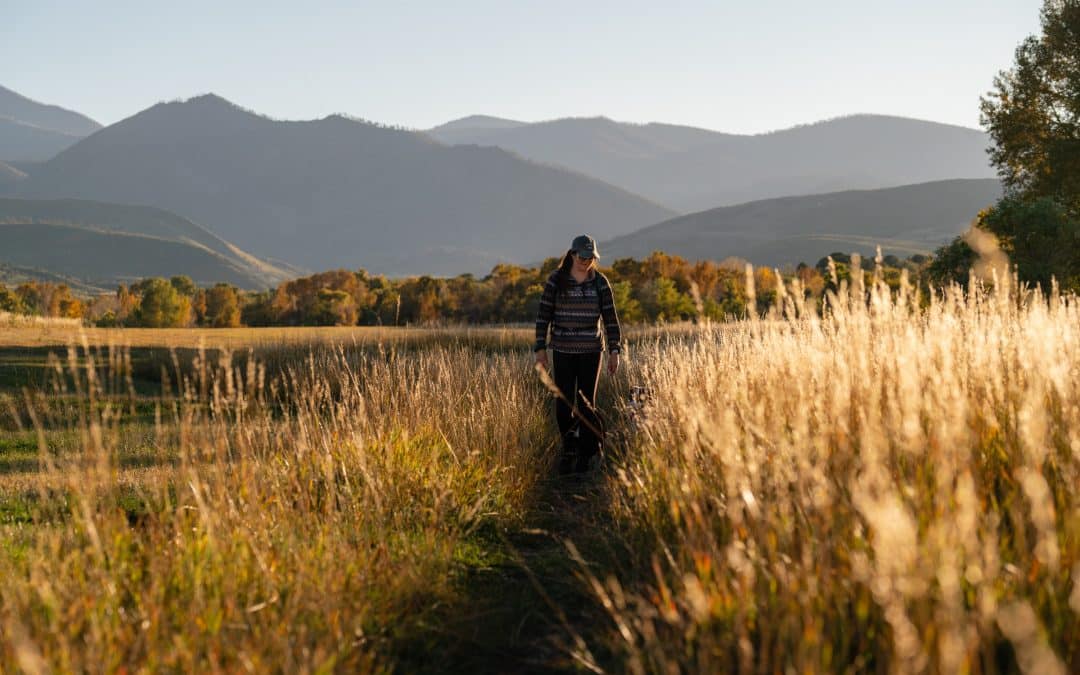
(30, 331)
(11, 321)
(886, 488)
(297, 523)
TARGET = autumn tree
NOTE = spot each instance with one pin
(64, 304)
(127, 302)
(33, 297)
(1033, 115)
(44, 298)
(10, 301)
(337, 297)
(222, 307)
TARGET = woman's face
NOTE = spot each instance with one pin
(582, 265)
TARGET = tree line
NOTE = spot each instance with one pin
(659, 288)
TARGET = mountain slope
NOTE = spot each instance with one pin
(9, 177)
(13, 275)
(20, 141)
(17, 107)
(775, 232)
(338, 192)
(104, 244)
(35, 131)
(689, 169)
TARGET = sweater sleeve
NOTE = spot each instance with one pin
(611, 318)
(545, 314)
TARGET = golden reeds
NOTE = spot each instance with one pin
(296, 521)
(884, 489)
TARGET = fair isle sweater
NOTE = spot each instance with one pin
(574, 316)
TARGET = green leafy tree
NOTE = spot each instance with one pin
(662, 301)
(256, 309)
(1033, 115)
(627, 306)
(333, 308)
(952, 263)
(531, 301)
(160, 305)
(1040, 237)
(184, 285)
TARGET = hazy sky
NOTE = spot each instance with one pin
(745, 66)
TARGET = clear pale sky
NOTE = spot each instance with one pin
(742, 67)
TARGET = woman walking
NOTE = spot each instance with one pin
(577, 299)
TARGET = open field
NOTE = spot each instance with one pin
(885, 490)
(63, 333)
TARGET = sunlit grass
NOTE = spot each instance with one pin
(304, 522)
(61, 333)
(885, 489)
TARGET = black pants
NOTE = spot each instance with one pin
(576, 376)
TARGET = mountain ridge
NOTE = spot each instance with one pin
(337, 191)
(14, 105)
(802, 228)
(34, 131)
(689, 169)
(106, 243)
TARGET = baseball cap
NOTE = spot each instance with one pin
(585, 247)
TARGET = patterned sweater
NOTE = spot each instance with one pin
(574, 316)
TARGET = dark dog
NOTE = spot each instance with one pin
(639, 399)
(582, 444)
(589, 443)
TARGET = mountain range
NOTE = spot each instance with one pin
(35, 131)
(338, 192)
(904, 221)
(273, 198)
(689, 169)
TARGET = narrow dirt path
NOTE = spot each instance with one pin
(528, 612)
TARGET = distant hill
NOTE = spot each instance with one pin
(104, 244)
(17, 107)
(13, 275)
(338, 192)
(777, 232)
(19, 141)
(464, 129)
(689, 169)
(35, 131)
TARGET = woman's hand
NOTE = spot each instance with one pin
(612, 363)
(541, 358)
